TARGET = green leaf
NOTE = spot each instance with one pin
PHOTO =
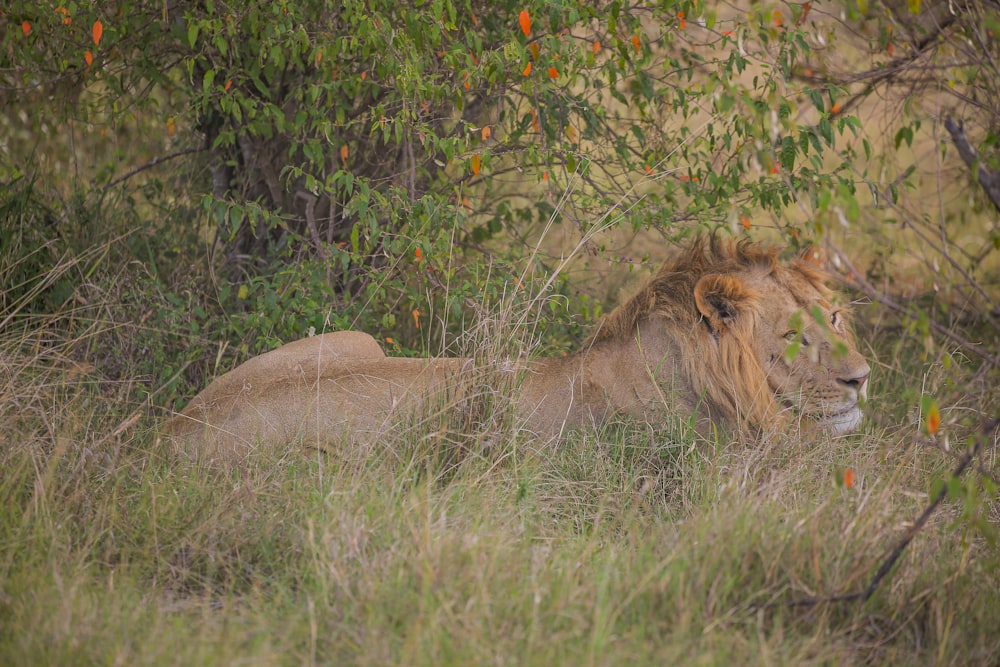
(786, 155)
(904, 134)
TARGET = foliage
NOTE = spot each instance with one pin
(187, 184)
(328, 126)
(924, 73)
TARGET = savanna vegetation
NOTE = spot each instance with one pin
(186, 184)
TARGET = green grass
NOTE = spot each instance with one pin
(627, 546)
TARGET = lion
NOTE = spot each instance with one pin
(724, 333)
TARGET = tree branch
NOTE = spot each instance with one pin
(152, 163)
(911, 532)
(989, 180)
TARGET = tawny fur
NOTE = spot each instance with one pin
(706, 337)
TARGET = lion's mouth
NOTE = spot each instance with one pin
(844, 420)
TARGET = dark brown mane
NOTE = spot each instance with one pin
(670, 293)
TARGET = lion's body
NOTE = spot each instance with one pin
(707, 337)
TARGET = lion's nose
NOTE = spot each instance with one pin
(855, 383)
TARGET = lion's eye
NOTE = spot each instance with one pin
(790, 335)
(835, 319)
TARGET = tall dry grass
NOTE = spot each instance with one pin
(464, 542)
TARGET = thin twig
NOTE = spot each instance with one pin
(857, 281)
(889, 561)
(152, 163)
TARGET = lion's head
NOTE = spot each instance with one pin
(755, 337)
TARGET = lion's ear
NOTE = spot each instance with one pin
(722, 299)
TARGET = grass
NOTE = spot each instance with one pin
(626, 546)
(461, 542)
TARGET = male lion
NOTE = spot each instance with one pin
(708, 336)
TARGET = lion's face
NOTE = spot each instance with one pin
(804, 346)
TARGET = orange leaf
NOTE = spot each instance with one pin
(26, 28)
(89, 57)
(364, 75)
(487, 132)
(476, 164)
(553, 73)
(835, 109)
(419, 255)
(344, 152)
(527, 70)
(597, 48)
(66, 17)
(933, 420)
(416, 318)
(171, 127)
(545, 176)
(229, 84)
(849, 478)
(745, 221)
(805, 13)
(97, 32)
(525, 20)
(776, 18)
(319, 58)
(774, 168)
(889, 49)
(635, 42)
(389, 340)
(534, 121)
(535, 50)
(682, 22)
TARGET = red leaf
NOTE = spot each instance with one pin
(26, 28)
(525, 20)
(933, 420)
